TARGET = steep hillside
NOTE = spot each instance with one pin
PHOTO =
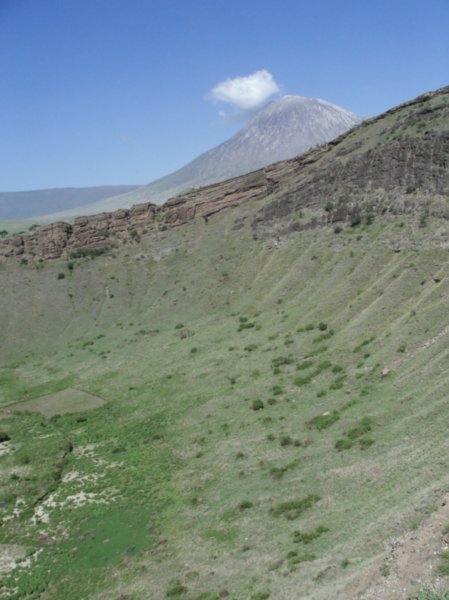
(280, 130)
(248, 402)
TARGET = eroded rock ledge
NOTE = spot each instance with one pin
(107, 229)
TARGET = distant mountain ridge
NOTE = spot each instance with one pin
(34, 203)
(280, 130)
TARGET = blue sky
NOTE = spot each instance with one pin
(120, 91)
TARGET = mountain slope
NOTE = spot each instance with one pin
(280, 130)
(264, 380)
(35, 203)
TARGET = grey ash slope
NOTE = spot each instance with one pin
(280, 130)
(34, 203)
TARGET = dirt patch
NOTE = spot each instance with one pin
(69, 400)
(410, 564)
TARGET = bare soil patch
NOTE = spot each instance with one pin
(411, 563)
(69, 400)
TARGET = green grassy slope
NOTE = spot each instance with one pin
(249, 443)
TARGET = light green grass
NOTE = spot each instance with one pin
(181, 473)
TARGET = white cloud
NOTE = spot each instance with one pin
(246, 93)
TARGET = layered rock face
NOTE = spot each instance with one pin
(107, 229)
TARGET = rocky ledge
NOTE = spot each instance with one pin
(110, 228)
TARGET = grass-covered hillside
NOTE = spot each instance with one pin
(207, 413)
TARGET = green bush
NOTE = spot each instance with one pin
(292, 509)
(257, 405)
(294, 558)
(243, 326)
(176, 590)
(363, 427)
(365, 442)
(321, 422)
(308, 537)
(250, 347)
(286, 440)
(304, 365)
(343, 444)
(88, 252)
(281, 360)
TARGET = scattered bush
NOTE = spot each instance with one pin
(286, 440)
(250, 347)
(257, 405)
(365, 442)
(363, 427)
(134, 235)
(300, 381)
(176, 590)
(294, 558)
(304, 365)
(306, 538)
(278, 472)
(243, 326)
(292, 509)
(321, 422)
(281, 360)
(356, 435)
(343, 444)
(338, 383)
(323, 336)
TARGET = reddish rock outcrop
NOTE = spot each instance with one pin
(107, 229)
